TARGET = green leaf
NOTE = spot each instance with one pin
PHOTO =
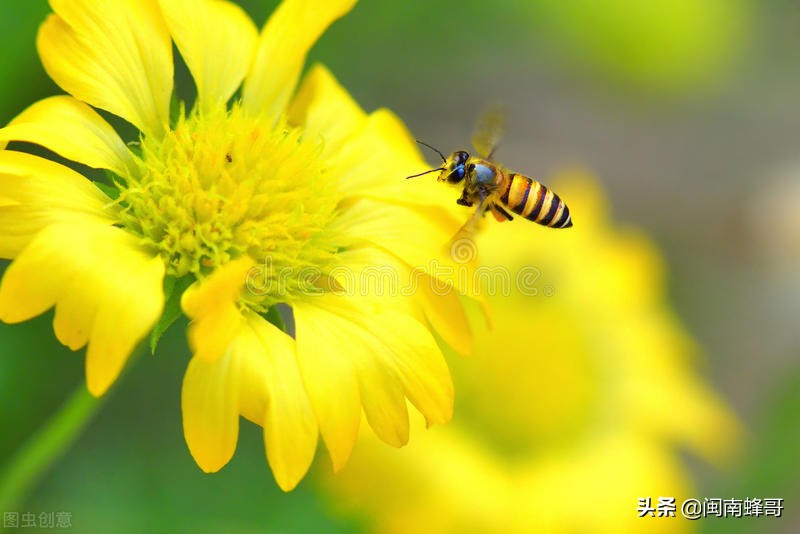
(173, 291)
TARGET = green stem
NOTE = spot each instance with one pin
(44, 447)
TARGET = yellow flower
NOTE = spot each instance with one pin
(575, 405)
(274, 194)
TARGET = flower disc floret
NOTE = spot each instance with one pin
(223, 185)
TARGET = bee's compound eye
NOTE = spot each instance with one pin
(456, 175)
(461, 157)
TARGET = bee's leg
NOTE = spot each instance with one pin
(468, 230)
(484, 192)
(501, 214)
(464, 200)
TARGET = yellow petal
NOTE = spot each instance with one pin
(444, 310)
(124, 319)
(290, 428)
(370, 271)
(212, 305)
(6, 202)
(428, 250)
(416, 360)
(71, 129)
(326, 110)
(377, 223)
(217, 40)
(362, 165)
(209, 402)
(38, 192)
(380, 389)
(285, 40)
(405, 346)
(365, 334)
(113, 54)
(329, 377)
(110, 290)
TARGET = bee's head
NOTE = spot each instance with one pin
(454, 168)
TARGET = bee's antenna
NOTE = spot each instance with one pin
(444, 160)
(426, 172)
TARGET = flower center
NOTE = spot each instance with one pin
(223, 185)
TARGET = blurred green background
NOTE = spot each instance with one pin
(688, 111)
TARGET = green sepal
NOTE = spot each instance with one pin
(135, 148)
(273, 315)
(111, 191)
(111, 186)
(173, 291)
(177, 110)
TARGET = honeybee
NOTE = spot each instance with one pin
(493, 187)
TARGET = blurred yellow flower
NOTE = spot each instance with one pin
(249, 199)
(577, 403)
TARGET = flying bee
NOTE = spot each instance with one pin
(493, 187)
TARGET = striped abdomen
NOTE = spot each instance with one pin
(535, 202)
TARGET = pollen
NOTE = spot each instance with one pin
(224, 185)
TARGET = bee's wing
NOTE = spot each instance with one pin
(466, 233)
(488, 131)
